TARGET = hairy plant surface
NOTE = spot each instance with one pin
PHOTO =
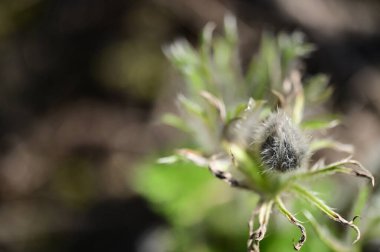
(249, 130)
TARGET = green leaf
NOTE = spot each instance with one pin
(237, 111)
(316, 89)
(193, 156)
(182, 55)
(175, 121)
(310, 197)
(347, 166)
(206, 38)
(191, 107)
(320, 144)
(247, 165)
(321, 123)
(294, 221)
(360, 203)
(216, 103)
(292, 47)
(230, 29)
(168, 160)
(298, 107)
(325, 235)
(222, 55)
(261, 68)
(183, 192)
(187, 60)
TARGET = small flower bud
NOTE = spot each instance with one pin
(280, 144)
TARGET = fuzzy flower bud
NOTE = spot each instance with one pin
(280, 144)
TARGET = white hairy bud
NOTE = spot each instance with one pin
(280, 144)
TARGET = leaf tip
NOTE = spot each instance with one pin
(357, 230)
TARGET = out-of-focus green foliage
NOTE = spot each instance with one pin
(223, 106)
(183, 186)
(194, 203)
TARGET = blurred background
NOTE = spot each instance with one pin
(82, 86)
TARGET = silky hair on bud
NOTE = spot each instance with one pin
(280, 144)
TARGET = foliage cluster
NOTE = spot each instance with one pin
(249, 129)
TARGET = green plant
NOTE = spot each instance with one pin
(249, 127)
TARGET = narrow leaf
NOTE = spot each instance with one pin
(216, 103)
(316, 89)
(190, 106)
(207, 37)
(246, 165)
(310, 197)
(221, 165)
(319, 124)
(256, 236)
(299, 100)
(175, 121)
(360, 203)
(355, 168)
(193, 156)
(168, 160)
(320, 144)
(294, 221)
(230, 28)
(325, 236)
